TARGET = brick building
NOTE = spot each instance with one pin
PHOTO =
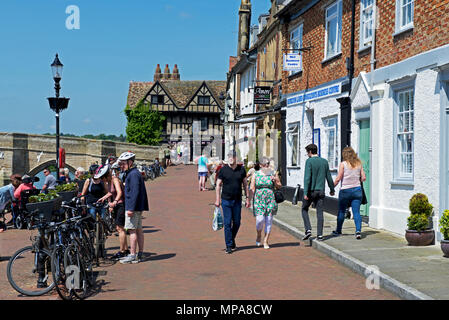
(399, 116)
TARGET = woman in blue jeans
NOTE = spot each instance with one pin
(350, 174)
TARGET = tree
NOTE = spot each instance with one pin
(145, 124)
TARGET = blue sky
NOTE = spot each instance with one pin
(118, 42)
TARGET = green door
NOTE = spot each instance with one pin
(364, 155)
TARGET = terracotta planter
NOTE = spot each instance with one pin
(419, 238)
(445, 247)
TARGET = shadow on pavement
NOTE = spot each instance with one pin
(274, 245)
(151, 231)
(147, 257)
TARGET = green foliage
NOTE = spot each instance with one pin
(420, 212)
(419, 204)
(418, 222)
(145, 125)
(444, 224)
(67, 187)
(41, 197)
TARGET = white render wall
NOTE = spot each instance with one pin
(390, 211)
(322, 109)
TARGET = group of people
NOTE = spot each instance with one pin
(261, 181)
(118, 182)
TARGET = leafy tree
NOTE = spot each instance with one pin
(145, 124)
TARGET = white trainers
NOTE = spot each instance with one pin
(130, 258)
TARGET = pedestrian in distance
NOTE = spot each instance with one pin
(203, 170)
(316, 173)
(231, 179)
(265, 207)
(350, 174)
(136, 201)
(50, 182)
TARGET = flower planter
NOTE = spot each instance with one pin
(445, 247)
(46, 207)
(419, 238)
(67, 196)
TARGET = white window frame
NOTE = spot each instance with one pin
(293, 130)
(400, 25)
(400, 130)
(366, 7)
(338, 16)
(328, 127)
(298, 38)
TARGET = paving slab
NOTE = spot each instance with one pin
(410, 272)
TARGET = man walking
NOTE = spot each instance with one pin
(231, 177)
(136, 201)
(315, 174)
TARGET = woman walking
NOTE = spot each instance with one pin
(262, 187)
(203, 170)
(350, 174)
(115, 197)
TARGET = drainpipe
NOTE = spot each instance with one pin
(373, 44)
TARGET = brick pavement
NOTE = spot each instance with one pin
(185, 259)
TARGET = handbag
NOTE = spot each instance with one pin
(364, 199)
(279, 196)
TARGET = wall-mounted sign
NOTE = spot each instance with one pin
(292, 62)
(262, 95)
(315, 94)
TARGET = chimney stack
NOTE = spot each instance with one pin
(158, 73)
(166, 75)
(244, 26)
(175, 74)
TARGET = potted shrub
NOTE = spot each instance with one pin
(419, 233)
(67, 191)
(444, 229)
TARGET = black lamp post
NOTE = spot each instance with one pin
(57, 104)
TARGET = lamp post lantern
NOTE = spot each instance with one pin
(56, 103)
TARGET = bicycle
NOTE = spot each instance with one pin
(34, 260)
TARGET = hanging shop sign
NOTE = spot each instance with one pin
(262, 95)
(292, 62)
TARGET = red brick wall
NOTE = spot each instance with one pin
(431, 22)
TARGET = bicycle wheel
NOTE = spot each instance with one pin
(26, 267)
(81, 276)
(59, 274)
(98, 241)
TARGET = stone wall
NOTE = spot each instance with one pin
(30, 153)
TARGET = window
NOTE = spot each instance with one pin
(157, 99)
(204, 124)
(330, 130)
(404, 14)
(204, 100)
(333, 29)
(404, 146)
(366, 22)
(296, 42)
(293, 138)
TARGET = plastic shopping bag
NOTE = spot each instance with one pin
(217, 223)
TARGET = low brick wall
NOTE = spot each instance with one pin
(25, 153)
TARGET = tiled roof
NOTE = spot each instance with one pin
(137, 90)
(180, 91)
